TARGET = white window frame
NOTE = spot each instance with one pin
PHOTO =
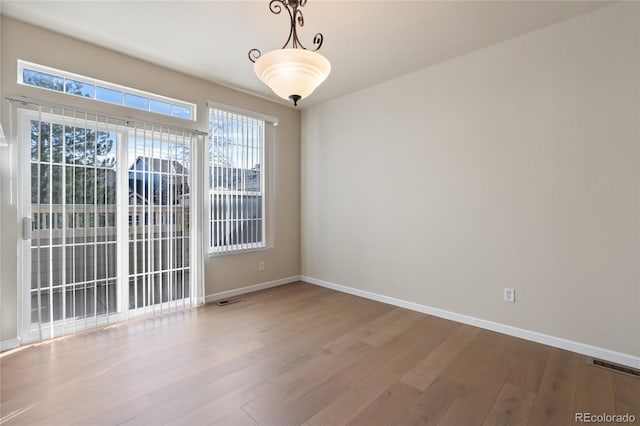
(66, 75)
(241, 247)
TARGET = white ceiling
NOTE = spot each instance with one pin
(367, 42)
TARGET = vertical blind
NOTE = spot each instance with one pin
(109, 202)
(236, 182)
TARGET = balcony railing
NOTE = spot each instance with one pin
(74, 257)
(86, 221)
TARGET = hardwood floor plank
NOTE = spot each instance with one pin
(298, 411)
(389, 331)
(512, 407)
(350, 404)
(302, 381)
(431, 404)
(236, 418)
(626, 392)
(277, 355)
(345, 341)
(594, 389)
(426, 371)
(373, 373)
(202, 410)
(131, 364)
(211, 401)
(104, 394)
(554, 401)
(529, 366)
(117, 415)
(196, 377)
(377, 357)
(436, 330)
(475, 401)
(388, 407)
(474, 356)
(307, 319)
(227, 398)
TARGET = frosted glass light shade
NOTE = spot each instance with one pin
(292, 72)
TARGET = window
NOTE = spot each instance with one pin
(236, 182)
(31, 74)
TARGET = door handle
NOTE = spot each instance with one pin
(26, 228)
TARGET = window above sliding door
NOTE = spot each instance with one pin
(36, 75)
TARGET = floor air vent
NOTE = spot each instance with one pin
(226, 302)
(615, 367)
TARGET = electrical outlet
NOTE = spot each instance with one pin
(261, 266)
(510, 295)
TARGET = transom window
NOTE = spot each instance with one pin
(36, 75)
(236, 182)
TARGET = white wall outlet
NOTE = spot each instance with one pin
(261, 266)
(510, 295)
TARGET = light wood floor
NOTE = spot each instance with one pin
(301, 354)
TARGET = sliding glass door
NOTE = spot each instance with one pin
(107, 220)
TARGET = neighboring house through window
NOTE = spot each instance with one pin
(158, 181)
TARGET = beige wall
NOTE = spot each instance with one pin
(513, 166)
(20, 40)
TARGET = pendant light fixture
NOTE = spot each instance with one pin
(292, 72)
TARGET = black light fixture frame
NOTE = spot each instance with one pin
(296, 17)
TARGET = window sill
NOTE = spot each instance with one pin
(230, 252)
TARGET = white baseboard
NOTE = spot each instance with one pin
(249, 289)
(9, 344)
(557, 342)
